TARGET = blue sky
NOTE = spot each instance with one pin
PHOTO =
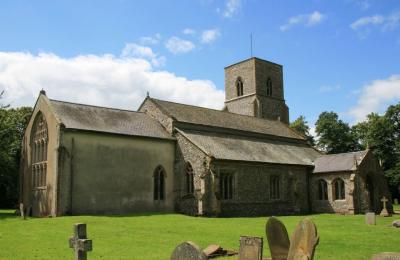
(339, 55)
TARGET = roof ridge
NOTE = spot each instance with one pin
(87, 105)
(337, 154)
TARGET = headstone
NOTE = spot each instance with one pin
(278, 239)
(370, 218)
(304, 241)
(251, 248)
(79, 242)
(384, 212)
(396, 201)
(22, 210)
(386, 256)
(188, 251)
(396, 223)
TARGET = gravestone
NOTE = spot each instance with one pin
(251, 248)
(278, 239)
(304, 241)
(396, 201)
(79, 242)
(188, 251)
(386, 256)
(370, 218)
(384, 212)
(22, 210)
(396, 223)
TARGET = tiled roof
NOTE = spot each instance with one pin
(231, 147)
(108, 120)
(339, 162)
(211, 117)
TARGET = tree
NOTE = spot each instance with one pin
(301, 126)
(334, 135)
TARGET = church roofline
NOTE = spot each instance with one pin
(253, 58)
(87, 105)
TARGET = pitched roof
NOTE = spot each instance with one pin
(108, 120)
(212, 117)
(339, 162)
(231, 147)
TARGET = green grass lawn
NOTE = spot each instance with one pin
(154, 236)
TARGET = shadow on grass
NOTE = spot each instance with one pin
(8, 213)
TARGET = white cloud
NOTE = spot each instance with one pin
(209, 36)
(150, 40)
(385, 23)
(303, 19)
(189, 31)
(376, 96)
(137, 51)
(367, 20)
(177, 45)
(103, 80)
(327, 88)
(231, 8)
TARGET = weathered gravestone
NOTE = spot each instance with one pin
(251, 248)
(278, 239)
(79, 242)
(188, 251)
(370, 218)
(304, 241)
(384, 212)
(22, 210)
(386, 256)
(396, 223)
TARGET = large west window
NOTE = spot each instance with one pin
(159, 183)
(39, 143)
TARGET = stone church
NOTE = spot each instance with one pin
(168, 157)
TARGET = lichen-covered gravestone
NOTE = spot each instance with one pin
(188, 251)
(370, 218)
(278, 239)
(251, 248)
(79, 242)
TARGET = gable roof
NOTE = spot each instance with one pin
(339, 162)
(107, 120)
(237, 148)
(217, 118)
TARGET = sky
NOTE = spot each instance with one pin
(341, 56)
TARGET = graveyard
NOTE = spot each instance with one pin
(154, 236)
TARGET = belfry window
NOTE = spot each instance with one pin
(269, 87)
(159, 183)
(338, 189)
(322, 190)
(239, 87)
(226, 185)
(274, 187)
(39, 143)
(189, 178)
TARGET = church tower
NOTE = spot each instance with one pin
(254, 87)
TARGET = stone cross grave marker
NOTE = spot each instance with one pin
(278, 239)
(304, 241)
(384, 212)
(251, 248)
(370, 218)
(79, 242)
(188, 251)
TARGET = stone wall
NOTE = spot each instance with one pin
(244, 70)
(150, 108)
(243, 105)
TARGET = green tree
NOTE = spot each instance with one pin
(301, 126)
(334, 135)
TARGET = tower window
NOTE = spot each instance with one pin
(159, 183)
(239, 87)
(269, 87)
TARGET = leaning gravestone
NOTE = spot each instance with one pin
(188, 251)
(304, 241)
(370, 218)
(251, 248)
(386, 256)
(278, 239)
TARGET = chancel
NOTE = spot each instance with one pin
(243, 160)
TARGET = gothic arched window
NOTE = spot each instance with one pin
(159, 183)
(322, 190)
(239, 87)
(189, 178)
(274, 187)
(39, 141)
(269, 87)
(226, 186)
(338, 189)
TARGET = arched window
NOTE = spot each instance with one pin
(226, 186)
(322, 190)
(338, 189)
(189, 178)
(159, 183)
(274, 187)
(239, 87)
(269, 87)
(39, 141)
